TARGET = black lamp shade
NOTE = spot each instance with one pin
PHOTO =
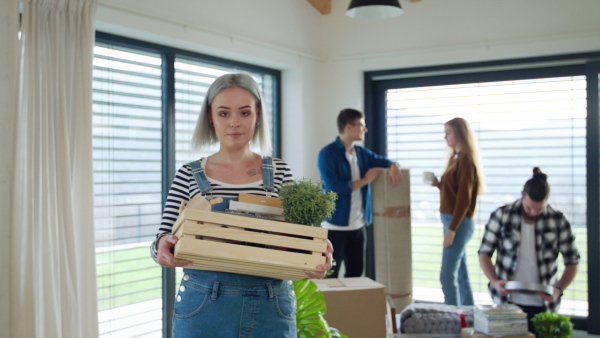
(374, 9)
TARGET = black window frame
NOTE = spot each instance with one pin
(376, 83)
(169, 55)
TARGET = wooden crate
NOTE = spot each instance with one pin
(217, 241)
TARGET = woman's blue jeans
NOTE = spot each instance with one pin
(454, 275)
(228, 305)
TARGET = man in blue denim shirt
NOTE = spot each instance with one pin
(349, 169)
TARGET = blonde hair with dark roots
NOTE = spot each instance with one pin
(468, 145)
(205, 136)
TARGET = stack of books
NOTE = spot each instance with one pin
(257, 206)
(500, 320)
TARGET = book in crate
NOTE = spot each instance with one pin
(230, 243)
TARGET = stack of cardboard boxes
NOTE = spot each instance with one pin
(392, 238)
(357, 306)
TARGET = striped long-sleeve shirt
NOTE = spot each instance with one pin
(184, 188)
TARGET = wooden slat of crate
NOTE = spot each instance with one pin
(246, 268)
(248, 223)
(241, 235)
(236, 258)
(243, 253)
(210, 246)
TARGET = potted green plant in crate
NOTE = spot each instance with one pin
(305, 202)
(552, 325)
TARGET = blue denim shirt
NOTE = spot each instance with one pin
(336, 175)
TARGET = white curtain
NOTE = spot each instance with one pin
(53, 271)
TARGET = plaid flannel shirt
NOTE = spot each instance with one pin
(552, 235)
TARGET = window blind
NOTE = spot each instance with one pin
(127, 183)
(518, 124)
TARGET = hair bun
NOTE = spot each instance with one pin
(538, 174)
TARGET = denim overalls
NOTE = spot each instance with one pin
(221, 304)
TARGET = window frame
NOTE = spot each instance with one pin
(376, 83)
(169, 56)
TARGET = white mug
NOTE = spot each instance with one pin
(428, 177)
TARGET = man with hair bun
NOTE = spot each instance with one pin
(528, 235)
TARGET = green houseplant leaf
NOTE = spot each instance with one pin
(310, 312)
(552, 325)
(304, 201)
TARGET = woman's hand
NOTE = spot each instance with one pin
(435, 182)
(449, 238)
(323, 268)
(165, 257)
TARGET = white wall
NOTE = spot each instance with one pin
(436, 32)
(323, 57)
(220, 25)
(435, 24)
(272, 33)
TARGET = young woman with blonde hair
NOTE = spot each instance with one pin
(222, 304)
(459, 187)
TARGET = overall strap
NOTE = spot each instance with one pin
(200, 177)
(268, 174)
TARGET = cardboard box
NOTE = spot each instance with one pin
(392, 238)
(355, 306)
(219, 242)
(468, 332)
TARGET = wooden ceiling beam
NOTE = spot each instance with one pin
(323, 6)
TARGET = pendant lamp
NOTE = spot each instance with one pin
(374, 9)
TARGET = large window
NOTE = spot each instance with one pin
(519, 124)
(531, 112)
(127, 115)
(146, 101)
